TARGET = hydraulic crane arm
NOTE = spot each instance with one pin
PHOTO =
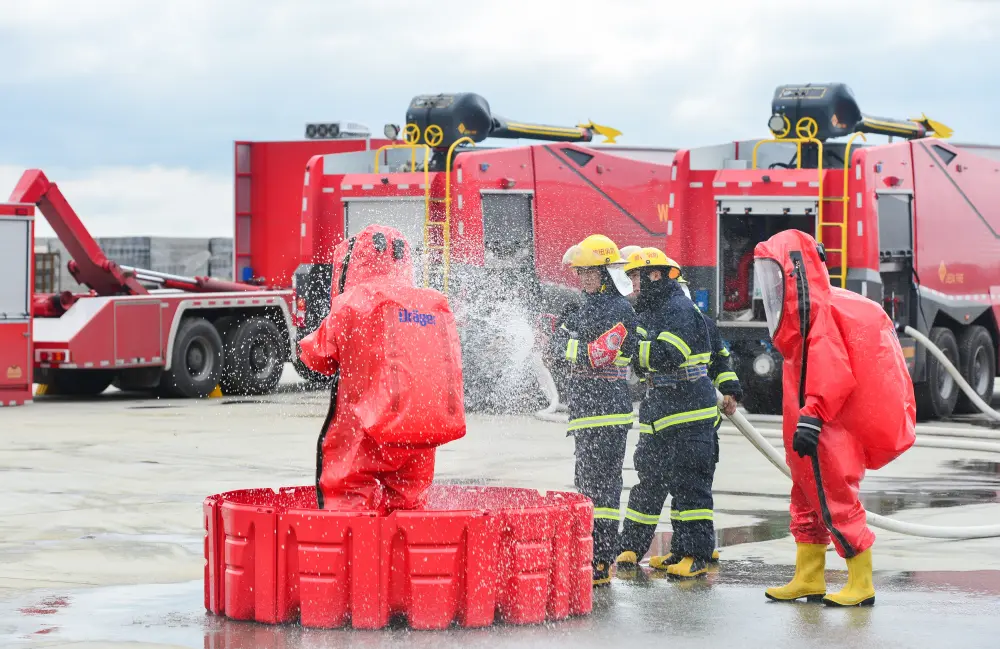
(89, 265)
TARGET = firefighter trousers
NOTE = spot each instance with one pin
(680, 463)
(600, 453)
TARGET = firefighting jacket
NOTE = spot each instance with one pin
(675, 350)
(598, 381)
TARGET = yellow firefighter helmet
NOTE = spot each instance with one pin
(653, 258)
(595, 250)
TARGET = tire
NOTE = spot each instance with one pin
(196, 361)
(255, 358)
(80, 383)
(977, 362)
(937, 395)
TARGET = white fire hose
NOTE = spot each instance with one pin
(760, 442)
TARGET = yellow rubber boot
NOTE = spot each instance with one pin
(627, 560)
(688, 568)
(810, 576)
(602, 574)
(859, 590)
(664, 562)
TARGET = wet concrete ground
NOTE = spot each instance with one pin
(728, 607)
(101, 541)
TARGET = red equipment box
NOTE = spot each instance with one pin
(17, 268)
(474, 554)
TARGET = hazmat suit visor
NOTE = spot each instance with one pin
(770, 281)
(620, 279)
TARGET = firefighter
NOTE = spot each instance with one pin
(848, 407)
(676, 449)
(719, 369)
(597, 342)
(376, 449)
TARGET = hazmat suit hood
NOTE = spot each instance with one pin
(795, 287)
(376, 255)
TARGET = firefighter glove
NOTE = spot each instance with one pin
(806, 438)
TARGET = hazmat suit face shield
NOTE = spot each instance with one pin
(770, 279)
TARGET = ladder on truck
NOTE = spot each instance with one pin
(435, 243)
(805, 131)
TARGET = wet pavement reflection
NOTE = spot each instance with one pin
(914, 610)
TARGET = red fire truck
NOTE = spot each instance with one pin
(911, 217)
(182, 339)
(913, 223)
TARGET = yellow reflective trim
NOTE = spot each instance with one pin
(646, 429)
(602, 420)
(606, 513)
(642, 519)
(681, 346)
(623, 361)
(685, 417)
(644, 347)
(697, 359)
(689, 515)
(642, 332)
(572, 347)
(723, 352)
(725, 376)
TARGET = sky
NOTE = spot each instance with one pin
(132, 106)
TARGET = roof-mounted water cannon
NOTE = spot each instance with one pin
(823, 111)
(441, 120)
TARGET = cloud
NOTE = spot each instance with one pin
(158, 91)
(147, 201)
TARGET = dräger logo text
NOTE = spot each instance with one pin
(416, 317)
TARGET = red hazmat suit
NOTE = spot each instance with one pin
(850, 375)
(399, 394)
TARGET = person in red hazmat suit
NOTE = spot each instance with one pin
(848, 407)
(398, 394)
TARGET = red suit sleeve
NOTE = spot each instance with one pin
(319, 351)
(829, 377)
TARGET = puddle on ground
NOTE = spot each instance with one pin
(976, 467)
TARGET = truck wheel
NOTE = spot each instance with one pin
(254, 357)
(977, 362)
(937, 395)
(80, 383)
(196, 363)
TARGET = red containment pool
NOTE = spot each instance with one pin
(472, 557)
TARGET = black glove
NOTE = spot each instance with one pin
(806, 437)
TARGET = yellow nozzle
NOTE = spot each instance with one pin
(939, 129)
(610, 134)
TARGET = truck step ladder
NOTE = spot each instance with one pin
(442, 266)
(806, 135)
